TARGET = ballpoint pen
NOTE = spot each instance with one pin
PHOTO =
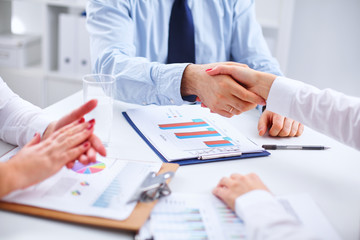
(294, 147)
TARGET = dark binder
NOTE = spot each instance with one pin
(193, 160)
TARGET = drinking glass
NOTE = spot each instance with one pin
(100, 87)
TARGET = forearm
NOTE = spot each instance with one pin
(265, 218)
(115, 51)
(311, 106)
(141, 81)
(8, 179)
(20, 120)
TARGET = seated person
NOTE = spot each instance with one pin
(61, 142)
(247, 195)
(158, 51)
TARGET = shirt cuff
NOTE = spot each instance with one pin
(281, 95)
(252, 198)
(170, 76)
(38, 125)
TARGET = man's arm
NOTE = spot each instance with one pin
(113, 51)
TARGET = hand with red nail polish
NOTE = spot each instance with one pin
(220, 93)
(39, 160)
(78, 115)
(260, 83)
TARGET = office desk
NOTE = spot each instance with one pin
(331, 177)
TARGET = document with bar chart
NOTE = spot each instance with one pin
(189, 132)
(100, 189)
(185, 216)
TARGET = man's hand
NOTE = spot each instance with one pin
(221, 94)
(96, 144)
(254, 81)
(229, 189)
(278, 125)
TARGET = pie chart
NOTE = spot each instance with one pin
(90, 168)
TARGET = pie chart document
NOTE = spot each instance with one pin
(99, 189)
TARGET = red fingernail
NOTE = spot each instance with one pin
(209, 69)
(92, 121)
(90, 126)
(86, 145)
(35, 134)
(81, 120)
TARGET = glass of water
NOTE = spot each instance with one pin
(100, 87)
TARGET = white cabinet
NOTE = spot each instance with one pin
(60, 84)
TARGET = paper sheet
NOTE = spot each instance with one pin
(189, 131)
(100, 189)
(203, 216)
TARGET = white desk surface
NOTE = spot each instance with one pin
(331, 177)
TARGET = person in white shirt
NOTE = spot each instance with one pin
(246, 194)
(61, 142)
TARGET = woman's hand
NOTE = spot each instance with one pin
(39, 160)
(96, 144)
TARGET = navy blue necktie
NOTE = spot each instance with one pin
(181, 48)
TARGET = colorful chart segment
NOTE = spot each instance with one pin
(89, 169)
(209, 133)
(218, 143)
(194, 123)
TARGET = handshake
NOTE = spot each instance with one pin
(231, 88)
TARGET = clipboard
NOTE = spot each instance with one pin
(133, 223)
(192, 160)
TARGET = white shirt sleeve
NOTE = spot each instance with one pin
(326, 111)
(19, 119)
(266, 218)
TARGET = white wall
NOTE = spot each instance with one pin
(325, 44)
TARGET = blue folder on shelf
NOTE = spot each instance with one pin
(194, 160)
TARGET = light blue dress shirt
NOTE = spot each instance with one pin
(129, 39)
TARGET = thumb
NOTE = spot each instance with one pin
(263, 124)
(216, 71)
(35, 140)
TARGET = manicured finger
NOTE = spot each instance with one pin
(77, 113)
(35, 140)
(91, 155)
(221, 70)
(83, 159)
(72, 138)
(61, 131)
(246, 95)
(97, 144)
(70, 165)
(76, 152)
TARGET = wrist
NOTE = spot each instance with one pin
(264, 83)
(9, 178)
(48, 131)
(189, 83)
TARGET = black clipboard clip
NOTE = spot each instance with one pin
(153, 187)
